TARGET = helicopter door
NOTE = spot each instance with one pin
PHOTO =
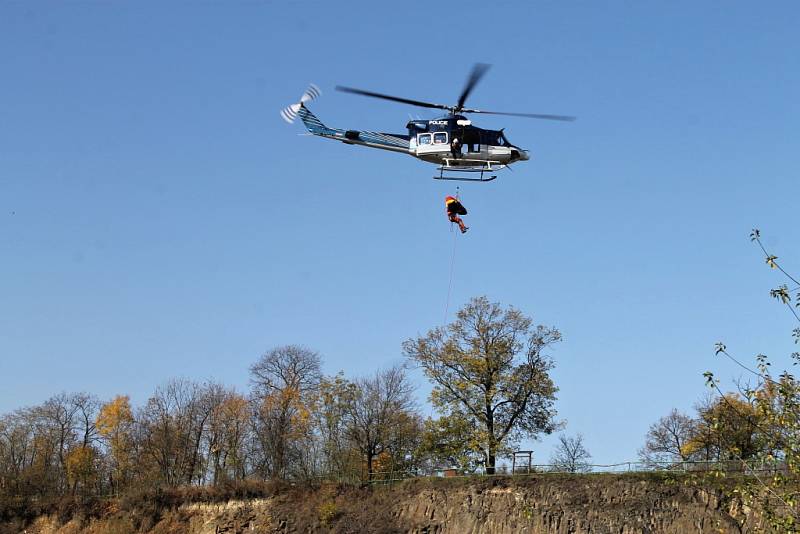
(472, 141)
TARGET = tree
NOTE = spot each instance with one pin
(115, 424)
(488, 366)
(379, 415)
(225, 440)
(336, 452)
(667, 438)
(727, 428)
(289, 366)
(285, 382)
(571, 455)
(28, 465)
(170, 430)
(80, 465)
(403, 441)
(450, 442)
(64, 421)
(38, 444)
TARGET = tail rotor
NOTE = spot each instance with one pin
(289, 113)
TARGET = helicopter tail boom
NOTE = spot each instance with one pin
(393, 142)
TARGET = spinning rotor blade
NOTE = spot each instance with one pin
(478, 71)
(528, 115)
(311, 93)
(392, 98)
(289, 113)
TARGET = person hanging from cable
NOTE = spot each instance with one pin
(454, 209)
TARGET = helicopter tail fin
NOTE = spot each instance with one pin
(290, 113)
(312, 123)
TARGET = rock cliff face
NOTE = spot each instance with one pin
(588, 505)
(543, 504)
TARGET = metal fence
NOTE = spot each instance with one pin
(730, 466)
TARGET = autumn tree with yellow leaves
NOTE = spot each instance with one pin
(727, 428)
(489, 367)
(115, 424)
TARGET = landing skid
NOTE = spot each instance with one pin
(483, 170)
(460, 179)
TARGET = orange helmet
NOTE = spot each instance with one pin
(448, 199)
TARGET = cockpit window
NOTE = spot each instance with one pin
(439, 138)
(494, 138)
(424, 139)
(498, 139)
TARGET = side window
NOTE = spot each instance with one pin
(440, 138)
(424, 139)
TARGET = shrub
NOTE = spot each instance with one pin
(328, 513)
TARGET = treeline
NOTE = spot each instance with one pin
(752, 426)
(293, 424)
(491, 387)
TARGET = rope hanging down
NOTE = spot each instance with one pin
(452, 267)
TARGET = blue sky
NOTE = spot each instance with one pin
(158, 219)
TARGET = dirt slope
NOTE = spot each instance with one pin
(539, 504)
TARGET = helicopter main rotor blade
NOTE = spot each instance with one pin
(566, 118)
(478, 71)
(392, 98)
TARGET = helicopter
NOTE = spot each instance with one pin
(452, 142)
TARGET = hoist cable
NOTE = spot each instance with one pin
(452, 265)
(452, 268)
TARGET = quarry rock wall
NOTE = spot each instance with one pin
(565, 505)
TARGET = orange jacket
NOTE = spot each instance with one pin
(452, 205)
